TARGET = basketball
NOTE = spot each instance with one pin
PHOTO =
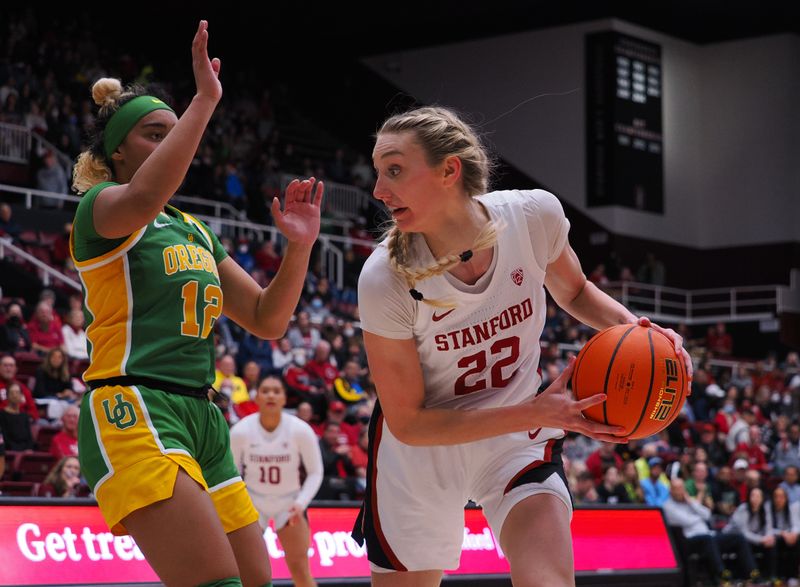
(637, 368)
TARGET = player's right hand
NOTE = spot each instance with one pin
(206, 71)
(555, 408)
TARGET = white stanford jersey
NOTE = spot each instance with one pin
(485, 351)
(270, 461)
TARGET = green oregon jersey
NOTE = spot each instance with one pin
(151, 299)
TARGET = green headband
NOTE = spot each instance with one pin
(124, 119)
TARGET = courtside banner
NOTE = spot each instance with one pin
(71, 545)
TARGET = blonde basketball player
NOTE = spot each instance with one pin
(452, 306)
(269, 448)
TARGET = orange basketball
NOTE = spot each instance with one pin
(639, 371)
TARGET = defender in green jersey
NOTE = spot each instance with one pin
(154, 449)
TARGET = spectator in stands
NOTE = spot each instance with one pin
(228, 334)
(693, 518)
(65, 442)
(301, 387)
(598, 275)
(655, 491)
(787, 450)
(64, 480)
(348, 433)
(651, 271)
(338, 468)
(753, 451)
(726, 416)
(359, 457)
(16, 424)
(718, 341)
(754, 521)
(347, 387)
(740, 429)
(14, 335)
(786, 529)
(53, 381)
(604, 457)
(630, 481)
(8, 227)
(725, 494)
(305, 413)
(699, 486)
(251, 375)
(321, 367)
(45, 329)
(740, 377)
(228, 382)
(243, 256)
(11, 113)
(9, 87)
(611, 490)
(34, 120)
(791, 483)
(362, 173)
(256, 349)
(739, 468)
(585, 491)
(75, 336)
(267, 259)
(303, 334)
(52, 178)
(60, 252)
(8, 376)
(282, 354)
(234, 188)
(709, 442)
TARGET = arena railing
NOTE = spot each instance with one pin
(15, 143)
(47, 273)
(706, 306)
(343, 200)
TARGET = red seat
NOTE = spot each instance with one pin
(34, 466)
(44, 436)
(27, 362)
(18, 488)
(11, 459)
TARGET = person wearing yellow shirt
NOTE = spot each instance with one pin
(226, 381)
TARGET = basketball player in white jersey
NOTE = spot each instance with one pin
(269, 447)
(452, 306)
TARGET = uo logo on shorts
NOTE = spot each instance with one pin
(122, 415)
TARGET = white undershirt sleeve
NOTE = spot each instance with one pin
(308, 444)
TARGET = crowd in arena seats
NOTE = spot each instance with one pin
(46, 71)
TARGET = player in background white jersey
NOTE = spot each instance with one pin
(269, 447)
(452, 309)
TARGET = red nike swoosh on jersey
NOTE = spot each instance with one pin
(437, 317)
(534, 434)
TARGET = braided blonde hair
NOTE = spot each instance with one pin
(441, 134)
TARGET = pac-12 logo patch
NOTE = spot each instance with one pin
(517, 276)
